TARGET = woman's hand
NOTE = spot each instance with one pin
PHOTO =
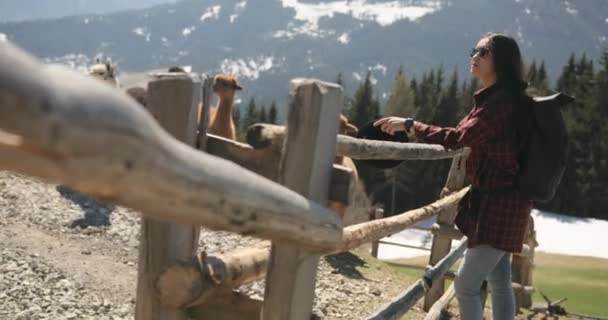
(392, 125)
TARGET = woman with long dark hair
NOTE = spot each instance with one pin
(493, 215)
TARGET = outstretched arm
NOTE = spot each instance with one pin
(474, 130)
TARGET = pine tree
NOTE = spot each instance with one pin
(401, 99)
(236, 117)
(251, 115)
(576, 191)
(437, 87)
(364, 106)
(532, 75)
(425, 97)
(449, 106)
(262, 115)
(542, 84)
(272, 113)
(568, 76)
(599, 192)
(339, 79)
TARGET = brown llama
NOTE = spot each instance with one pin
(267, 136)
(221, 122)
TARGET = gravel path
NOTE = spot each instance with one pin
(65, 256)
(31, 288)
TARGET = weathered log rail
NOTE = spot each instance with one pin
(70, 129)
(191, 284)
(398, 306)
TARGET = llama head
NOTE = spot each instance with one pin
(104, 70)
(344, 127)
(265, 135)
(225, 86)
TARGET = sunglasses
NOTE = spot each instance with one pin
(483, 51)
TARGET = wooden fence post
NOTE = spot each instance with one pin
(442, 243)
(173, 100)
(305, 167)
(522, 266)
(377, 214)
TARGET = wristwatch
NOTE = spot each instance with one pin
(408, 123)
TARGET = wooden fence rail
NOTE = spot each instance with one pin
(400, 305)
(190, 284)
(385, 150)
(437, 310)
(359, 148)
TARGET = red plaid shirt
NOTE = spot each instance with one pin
(502, 217)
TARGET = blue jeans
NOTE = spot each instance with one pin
(485, 263)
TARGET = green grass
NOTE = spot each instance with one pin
(583, 280)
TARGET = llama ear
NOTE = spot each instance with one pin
(109, 66)
(351, 130)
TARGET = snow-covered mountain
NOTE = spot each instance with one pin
(266, 43)
(20, 10)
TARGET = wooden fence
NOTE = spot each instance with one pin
(70, 129)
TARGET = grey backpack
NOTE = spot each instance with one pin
(544, 157)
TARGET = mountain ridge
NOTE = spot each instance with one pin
(267, 43)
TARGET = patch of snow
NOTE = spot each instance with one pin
(211, 13)
(562, 234)
(86, 21)
(309, 60)
(378, 67)
(344, 38)
(3, 37)
(528, 11)
(373, 80)
(384, 13)
(241, 5)
(187, 31)
(104, 45)
(570, 9)
(308, 29)
(75, 61)
(357, 76)
(418, 238)
(176, 58)
(164, 41)
(606, 20)
(249, 68)
(142, 31)
(238, 10)
(555, 233)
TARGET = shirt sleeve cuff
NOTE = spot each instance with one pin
(420, 130)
